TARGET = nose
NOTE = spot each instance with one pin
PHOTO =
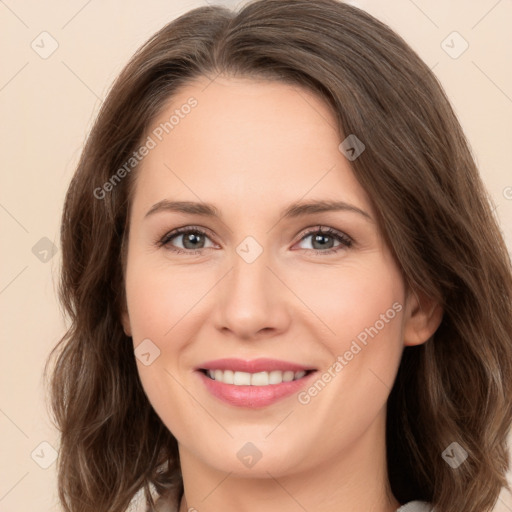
(252, 302)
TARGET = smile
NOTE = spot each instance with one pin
(253, 384)
(255, 379)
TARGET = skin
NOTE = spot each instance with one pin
(251, 148)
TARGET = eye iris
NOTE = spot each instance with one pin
(191, 237)
(318, 238)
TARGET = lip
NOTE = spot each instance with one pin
(253, 397)
(253, 366)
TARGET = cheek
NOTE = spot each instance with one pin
(161, 308)
(364, 308)
(349, 304)
(369, 341)
(158, 305)
(157, 300)
(363, 311)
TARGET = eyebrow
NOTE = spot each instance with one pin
(294, 210)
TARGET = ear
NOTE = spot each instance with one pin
(422, 317)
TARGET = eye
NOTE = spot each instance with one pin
(321, 243)
(193, 239)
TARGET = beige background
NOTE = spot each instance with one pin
(47, 106)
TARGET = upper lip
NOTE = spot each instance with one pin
(253, 365)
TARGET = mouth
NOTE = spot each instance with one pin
(264, 378)
(253, 384)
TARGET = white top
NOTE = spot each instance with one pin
(416, 506)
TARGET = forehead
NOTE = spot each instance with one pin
(252, 140)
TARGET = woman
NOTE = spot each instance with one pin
(221, 353)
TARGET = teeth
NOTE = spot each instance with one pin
(259, 379)
(241, 378)
(254, 379)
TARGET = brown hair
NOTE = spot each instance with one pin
(433, 211)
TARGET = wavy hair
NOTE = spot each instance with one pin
(433, 210)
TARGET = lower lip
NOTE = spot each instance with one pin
(253, 397)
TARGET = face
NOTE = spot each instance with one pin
(257, 288)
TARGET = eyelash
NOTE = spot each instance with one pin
(345, 241)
